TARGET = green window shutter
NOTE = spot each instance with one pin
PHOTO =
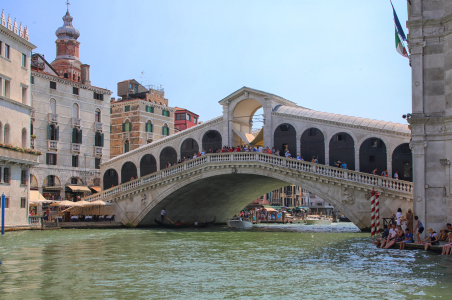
(123, 127)
(57, 133)
(74, 135)
(152, 129)
(102, 140)
(96, 139)
(80, 136)
(49, 129)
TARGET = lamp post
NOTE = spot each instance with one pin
(3, 213)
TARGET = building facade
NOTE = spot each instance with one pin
(16, 157)
(140, 117)
(70, 121)
(183, 119)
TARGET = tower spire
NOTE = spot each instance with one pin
(67, 4)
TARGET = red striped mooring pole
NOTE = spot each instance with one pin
(372, 214)
(377, 212)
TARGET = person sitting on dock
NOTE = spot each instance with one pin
(434, 241)
(384, 236)
(408, 239)
(448, 247)
(400, 236)
(392, 235)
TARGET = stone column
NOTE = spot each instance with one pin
(268, 132)
(327, 151)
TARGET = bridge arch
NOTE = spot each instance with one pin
(212, 140)
(285, 137)
(128, 171)
(148, 165)
(110, 179)
(342, 147)
(312, 143)
(168, 154)
(188, 147)
(402, 162)
(373, 155)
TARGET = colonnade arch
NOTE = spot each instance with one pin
(285, 138)
(342, 147)
(148, 165)
(167, 155)
(402, 162)
(128, 171)
(212, 140)
(372, 155)
(312, 143)
(110, 179)
(188, 148)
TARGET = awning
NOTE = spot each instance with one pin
(96, 188)
(36, 195)
(270, 209)
(79, 189)
(53, 187)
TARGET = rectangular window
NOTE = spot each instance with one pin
(74, 90)
(165, 130)
(51, 180)
(73, 180)
(7, 175)
(373, 142)
(149, 108)
(24, 60)
(53, 85)
(148, 127)
(97, 163)
(188, 117)
(340, 137)
(32, 79)
(98, 96)
(51, 159)
(195, 120)
(23, 177)
(177, 116)
(165, 113)
(6, 202)
(127, 108)
(7, 88)
(6, 51)
(23, 201)
(75, 161)
(24, 95)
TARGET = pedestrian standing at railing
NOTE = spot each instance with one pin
(344, 165)
(298, 156)
(277, 152)
(261, 149)
(374, 172)
(384, 174)
(396, 175)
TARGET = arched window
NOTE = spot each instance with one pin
(1, 132)
(24, 138)
(75, 111)
(6, 134)
(126, 126)
(165, 130)
(53, 106)
(126, 146)
(97, 116)
(149, 127)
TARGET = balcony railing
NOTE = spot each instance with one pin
(149, 136)
(98, 126)
(33, 115)
(126, 135)
(76, 122)
(53, 145)
(98, 151)
(15, 156)
(32, 143)
(75, 148)
(53, 118)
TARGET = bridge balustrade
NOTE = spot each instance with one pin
(290, 163)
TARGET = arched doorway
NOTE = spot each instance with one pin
(128, 171)
(285, 137)
(312, 143)
(342, 148)
(148, 165)
(242, 121)
(402, 162)
(110, 179)
(372, 155)
(188, 148)
(211, 141)
(168, 154)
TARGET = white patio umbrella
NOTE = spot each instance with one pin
(100, 203)
(66, 203)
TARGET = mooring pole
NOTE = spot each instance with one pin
(3, 213)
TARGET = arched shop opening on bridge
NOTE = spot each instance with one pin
(110, 179)
(148, 165)
(168, 155)
(247, 122)
(128, 172)
(188, 148)
(402, 160)
(372, 155)
(312, 143)
(342, 148)
(285, 138)
(212, 140)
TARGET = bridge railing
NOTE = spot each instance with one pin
(290, 163)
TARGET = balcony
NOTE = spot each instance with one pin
(76, 122)
(98, 151)
(53, 118)
(9, 155)
(126, 135)
(33, 115)
(98, 126)
(75, 148)
(149, 136)
(32, 143)
(52, 145)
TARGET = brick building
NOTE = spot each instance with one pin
(140, 117)
(184, 119)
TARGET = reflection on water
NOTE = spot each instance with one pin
(267, 262)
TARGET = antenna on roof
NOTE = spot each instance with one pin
(67, 4)
(142, 74)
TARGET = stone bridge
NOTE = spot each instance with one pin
(220, 185)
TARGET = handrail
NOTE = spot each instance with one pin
(290, 163)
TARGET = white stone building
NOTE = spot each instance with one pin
(15, 51)
(70, 123)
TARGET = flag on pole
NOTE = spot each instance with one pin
(399, 35)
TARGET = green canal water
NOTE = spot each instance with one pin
(267, 262)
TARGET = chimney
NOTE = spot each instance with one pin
(85, 75)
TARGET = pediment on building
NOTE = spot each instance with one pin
(246, 92)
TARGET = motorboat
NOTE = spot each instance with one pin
(318, 220)
(239, 222)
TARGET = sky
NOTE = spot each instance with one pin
(329, 55)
